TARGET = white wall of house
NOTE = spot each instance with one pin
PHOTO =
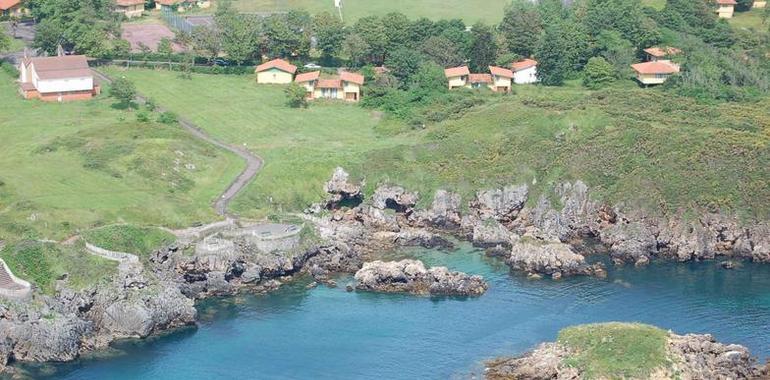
(63, 85)
(725, 11)
(350, 87)
(459, 81)
(526, 76)
(498, 81)
(652, 78)
(274, 76)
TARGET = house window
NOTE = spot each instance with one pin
(329, 93)
(661, 76)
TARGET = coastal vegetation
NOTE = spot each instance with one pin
(73, 166)
(616, 350)
(128, 238)
(44, 263)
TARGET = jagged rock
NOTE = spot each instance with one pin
(547, 258)
(443, 213)
(53, 337)
(146, 313)
(630, 241)
(544, 363)
(340, 190)
(500, 204)
(413, 237)
(394, 197)
(377, 219)
(411, 276)
(491, 233)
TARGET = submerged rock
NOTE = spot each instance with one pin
(411, 276)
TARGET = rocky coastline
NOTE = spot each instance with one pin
(348, 234)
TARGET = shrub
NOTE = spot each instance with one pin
(143, 117)
(168, 117)
(598, 73)
(296, 96)
(123, 90)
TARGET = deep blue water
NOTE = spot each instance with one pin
(328, 333)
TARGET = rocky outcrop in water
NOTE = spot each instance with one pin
(411, 276)
(691, 356)
(554, 259)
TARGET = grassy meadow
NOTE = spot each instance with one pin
(749, 20)
(470, 11)
(642, 147)
(72, 166)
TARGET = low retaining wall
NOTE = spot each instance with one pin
(112, 255)
(198, 233)
(15, 294)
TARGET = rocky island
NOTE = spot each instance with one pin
(411, 276)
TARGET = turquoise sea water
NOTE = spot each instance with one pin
(328, 333)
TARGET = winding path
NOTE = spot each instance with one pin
(253, 162)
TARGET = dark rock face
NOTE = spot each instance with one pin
(341, 191)
(395, 198)
(411, 276)
(692, 356)
(502, 205)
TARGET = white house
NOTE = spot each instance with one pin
(524, 71)
(57, 78)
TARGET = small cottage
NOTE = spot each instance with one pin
(129, 8)
(57, 78)
(652, 73)
(276, 71)
(725, 8)
(12, 8)
(501, 79)
(457, 76)
(181, 5)
(524, 71)
(346, 86)
(655, 53)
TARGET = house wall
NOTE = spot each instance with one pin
(318, 93)
(274, 76)
(16, 11)
(526, 76)
(725, 11)
(760, 4)
(498, 81)
(131, 10)
(460, 81)
(351, 87)
(64, 85)
(310, 87)
(651, 78)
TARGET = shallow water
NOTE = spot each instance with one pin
(328, 333)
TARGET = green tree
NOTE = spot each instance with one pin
(615, 49)
(296, 96)
(123, 90)
(552, 68)
(420, 30)
(165, 48)
(329, 32)
(521, 27)
(373, 31)
(207, 42)
(121, 48)
(598, 73)
(744, 5)
(288, 35)
(397, 30)
(356, 48)
(5, 41)
(239, 33)
(483, 48)
(443, 51)
(403, 63)
(428, 80)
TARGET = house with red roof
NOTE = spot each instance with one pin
(652, 73)
(725, 8)
(276, 71)
(524, 71)
(498, 79)
(346, 86)
(12, 8)
(664, 53)
(181, 5)
(129, 8)
(58, 78)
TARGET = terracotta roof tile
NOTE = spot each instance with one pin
(727, 2)
(523, 64)
(71, 66)
(8, 4)
(307, 77)
(654, 68)
(278, 64)
(501, 72)
(127, 3)
(329, 83)
(456, 71)
(352, 77)
(659, 52)
(480, 78)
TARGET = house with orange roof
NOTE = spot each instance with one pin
(524, 71)
(181, 5)
(652, 73)
(59, 78)
(276, 71)
(457, 76)
(129, 8)
(656, 53)
(501, 79)
(346, 86)
(12, 8)
(725, 8)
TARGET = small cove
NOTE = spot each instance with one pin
(328, 333)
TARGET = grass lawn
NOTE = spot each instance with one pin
(657, 4)
(470, 11)
(643, 147)
(616, 350)
(301, 147)
(43, 263)
(749, 20)
(72, 166)
(127, 238)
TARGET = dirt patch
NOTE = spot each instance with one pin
(148, 35)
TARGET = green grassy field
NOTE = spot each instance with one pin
(642, 147)
(471, 11)
(72, 166)
(127, 238)
(616, 350)
(749, 20)
(301, 147)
